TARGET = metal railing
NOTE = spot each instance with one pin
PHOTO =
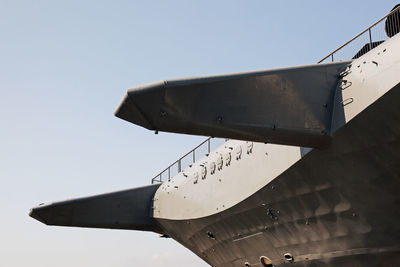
(368, 39)
(187, 160)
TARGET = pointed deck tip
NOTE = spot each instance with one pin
(35, 213)
(141, 105)
(126, 209)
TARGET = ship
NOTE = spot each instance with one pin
(307, 172)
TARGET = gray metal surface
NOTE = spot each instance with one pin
(290, 106)
(336, 207)
(127, 209)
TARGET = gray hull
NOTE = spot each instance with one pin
(335, 207)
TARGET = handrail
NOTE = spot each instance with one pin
(154, 179)
(361, 33)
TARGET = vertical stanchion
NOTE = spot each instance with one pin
(370, 39)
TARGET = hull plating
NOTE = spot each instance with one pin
(334, 207)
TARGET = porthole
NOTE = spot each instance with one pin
(266, 262)
(195, 177)
(238, 153)
(203, 172)
(220, 162)
(228, 158)
(246, 264)
(249, 147)
(212, 167)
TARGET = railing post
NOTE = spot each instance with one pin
(169, 173)
(179, 165)
(370, 39)
(208, 143)
(194, 156)
(332, 57)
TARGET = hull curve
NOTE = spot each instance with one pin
(334, 207)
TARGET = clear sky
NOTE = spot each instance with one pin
(65, 66)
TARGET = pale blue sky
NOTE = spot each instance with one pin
(65, 66)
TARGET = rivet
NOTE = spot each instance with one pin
(210, 235)
(288, 257)
(270, 213)
(265, 261)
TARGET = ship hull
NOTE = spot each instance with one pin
(337, 206)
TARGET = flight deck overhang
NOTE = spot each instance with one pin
(291, 106)
(129, 209)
